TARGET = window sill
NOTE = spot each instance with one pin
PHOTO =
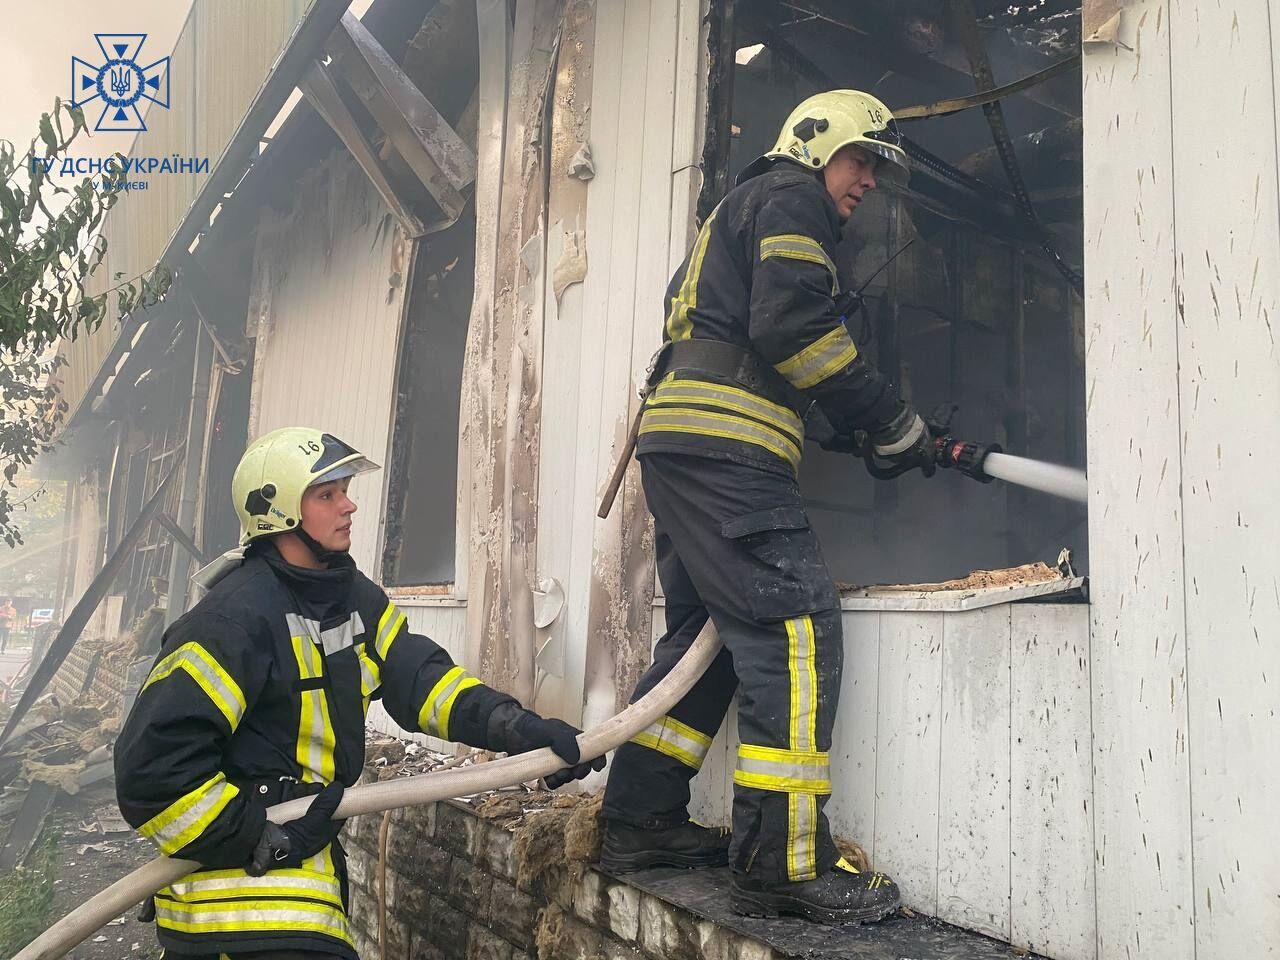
(435, 595)
(891, 599)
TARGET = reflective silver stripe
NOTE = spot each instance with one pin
(822, 359)
(370, 675)
(732, 399)
(185, 819)
(273, 880)
(392, 619)
(200, 665)
(802, 836)
(796, 246)
(253, 915)
(315, 735)
(439, 697)
(804, 682)
(812, 772)
(700, 422)
(302, 627)
(341, 637)
(675, 739)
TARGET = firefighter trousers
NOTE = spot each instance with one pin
(733, 543)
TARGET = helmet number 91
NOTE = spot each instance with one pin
(309, 447)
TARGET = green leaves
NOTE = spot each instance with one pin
(48, 252)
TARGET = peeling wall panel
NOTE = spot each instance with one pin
(1051, 818)
(909, 724)
(974, 830)
(562, 514)
(1227, 218)
(1142, 830)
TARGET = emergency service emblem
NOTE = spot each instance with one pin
(120, 82)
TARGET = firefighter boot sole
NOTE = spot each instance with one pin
(615, 862)
(772, 904)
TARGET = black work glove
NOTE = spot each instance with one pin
(530, 731)
(908, 442)
(285, 845)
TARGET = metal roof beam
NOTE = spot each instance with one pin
(321, 92)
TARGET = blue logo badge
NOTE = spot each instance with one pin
(120, 82)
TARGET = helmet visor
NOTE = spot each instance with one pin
(887, 144)
(350, 468)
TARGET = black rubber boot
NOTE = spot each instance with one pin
(838, 896)
(626, 848)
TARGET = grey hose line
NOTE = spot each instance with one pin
(128, 891)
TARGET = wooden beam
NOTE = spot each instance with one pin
(321, 92)
(181, 538)
(431, 148)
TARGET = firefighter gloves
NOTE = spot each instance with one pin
(286, 846)
(530, 731)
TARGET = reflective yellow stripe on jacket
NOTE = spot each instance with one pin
(195, 661)
(433, 718)
(244, 916)
(316, 736)
(389, 625)
(698, 407)
(679, 326)
(823, 358)
(796, 246)
(189, 816)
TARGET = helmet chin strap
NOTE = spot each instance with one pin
(322, 554)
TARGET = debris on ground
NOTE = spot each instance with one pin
(977, 580)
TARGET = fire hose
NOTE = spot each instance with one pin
(131, 890)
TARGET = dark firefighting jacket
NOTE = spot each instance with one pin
(259, 694)
(760, 275)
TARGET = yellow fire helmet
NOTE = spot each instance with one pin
(275, 470)
(824, 123)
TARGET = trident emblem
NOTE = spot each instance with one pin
(121, 81)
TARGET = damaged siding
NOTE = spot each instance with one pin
(1181, 244)
(646, 114)
(960, 763)
(580, 258)
(326, 305)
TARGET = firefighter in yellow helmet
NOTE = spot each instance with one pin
(259, 695)
(753, 339)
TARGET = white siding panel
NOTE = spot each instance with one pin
(337, 278)
(909, 727)
(851, 809)
(973, 817)
(1228, 242)
(1143, 853)
(1052, 878)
